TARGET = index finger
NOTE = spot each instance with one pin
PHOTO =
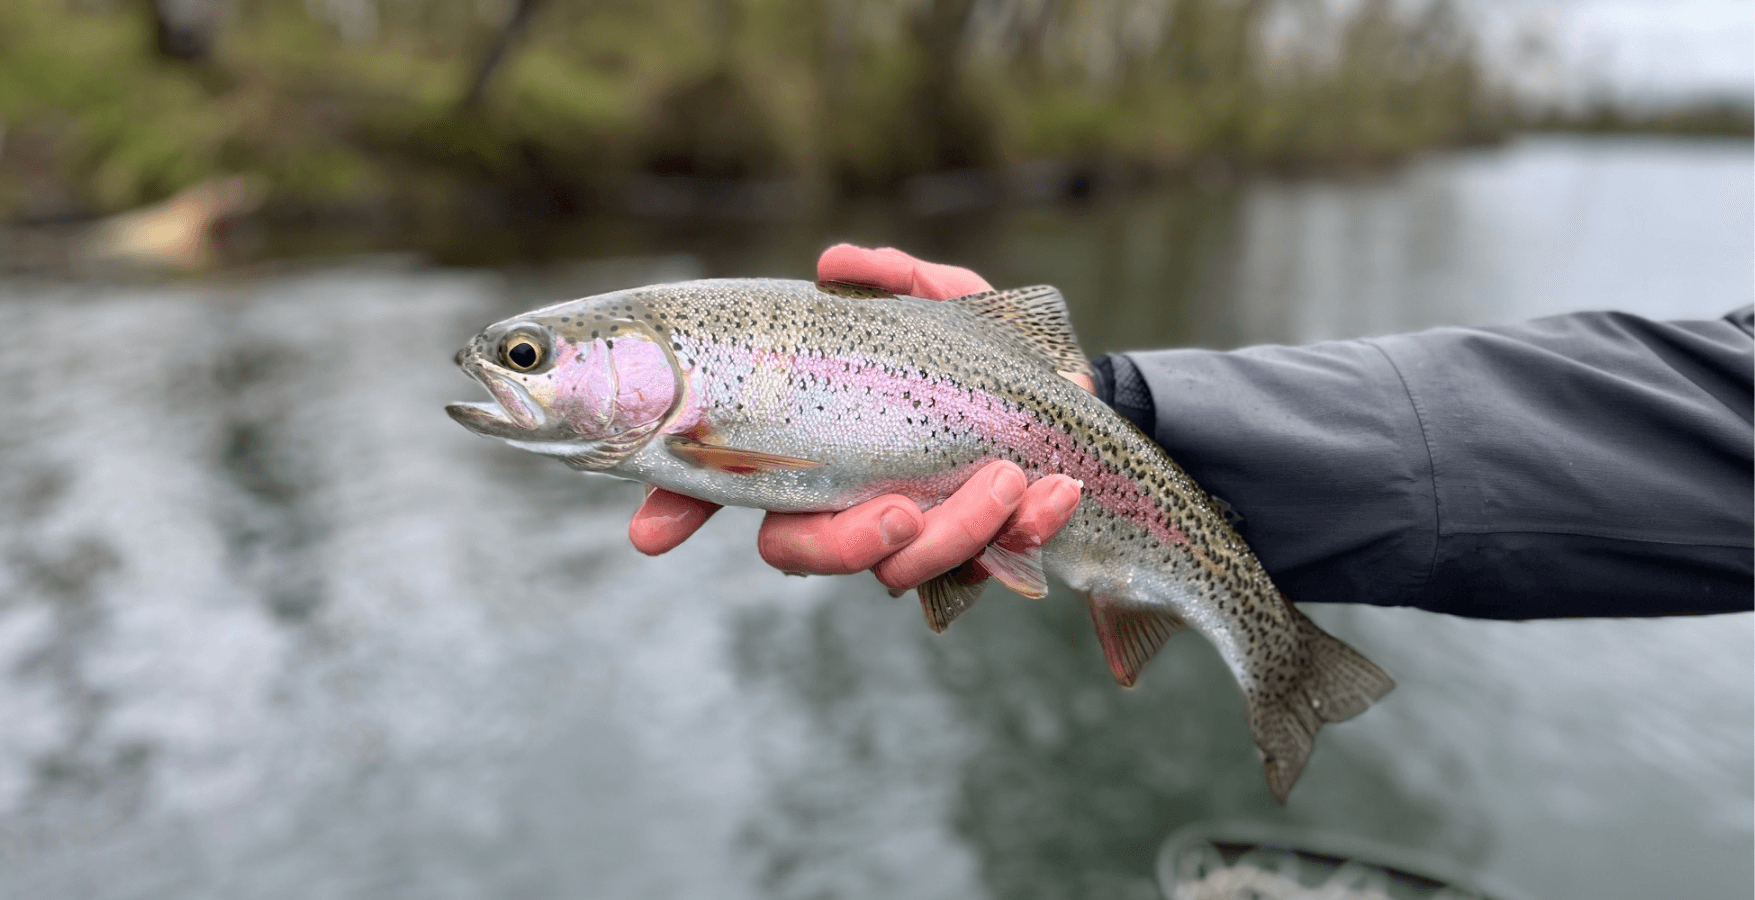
(895, 271)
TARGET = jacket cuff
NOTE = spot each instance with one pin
(1318, 448)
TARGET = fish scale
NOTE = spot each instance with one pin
(793, 396)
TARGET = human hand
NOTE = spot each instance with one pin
(889, 535)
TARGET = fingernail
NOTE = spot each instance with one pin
(1064, 498)
(896, 526)
(1008, 486)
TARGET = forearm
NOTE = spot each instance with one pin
(1585, 465)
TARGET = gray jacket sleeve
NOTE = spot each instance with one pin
(1594, 464)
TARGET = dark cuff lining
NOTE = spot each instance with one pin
(1103, 379)
(1119, 384)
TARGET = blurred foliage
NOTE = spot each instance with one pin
(1711, 118)
(350, 103)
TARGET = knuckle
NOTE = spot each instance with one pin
(893, 574)
(976, 529)
(849, 552)
(976, 523)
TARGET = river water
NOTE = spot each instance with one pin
(271, 626)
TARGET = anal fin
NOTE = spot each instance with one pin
(1131, 634)
(950, 595)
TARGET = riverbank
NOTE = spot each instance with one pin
(588, 106)
(760, 111)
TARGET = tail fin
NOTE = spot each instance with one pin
(1335, 684)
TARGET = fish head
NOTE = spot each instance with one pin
(570, 383)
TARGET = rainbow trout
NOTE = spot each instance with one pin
(793, 396)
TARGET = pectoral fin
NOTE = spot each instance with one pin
(728, 459)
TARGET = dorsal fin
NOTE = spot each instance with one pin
(1038, 316)
(854, 291)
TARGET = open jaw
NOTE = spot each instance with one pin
(499, 419)
(486, 419)
(511, 414)
(489, 420)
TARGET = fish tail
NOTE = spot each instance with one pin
(1333, 684)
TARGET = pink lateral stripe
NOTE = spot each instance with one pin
(1046, 448)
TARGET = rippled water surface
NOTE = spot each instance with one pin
(272, 626)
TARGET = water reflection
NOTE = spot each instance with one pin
(1541, 227)
(272, 626)
(1074, 782)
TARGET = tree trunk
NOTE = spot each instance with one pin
(951, 126)
(495, 57)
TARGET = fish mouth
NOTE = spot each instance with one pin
(490, 420)
(512, 414)
(485, 419)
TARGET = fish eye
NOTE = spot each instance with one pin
(522, 353)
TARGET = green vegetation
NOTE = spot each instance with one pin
(1705, 119)
(841, 97)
